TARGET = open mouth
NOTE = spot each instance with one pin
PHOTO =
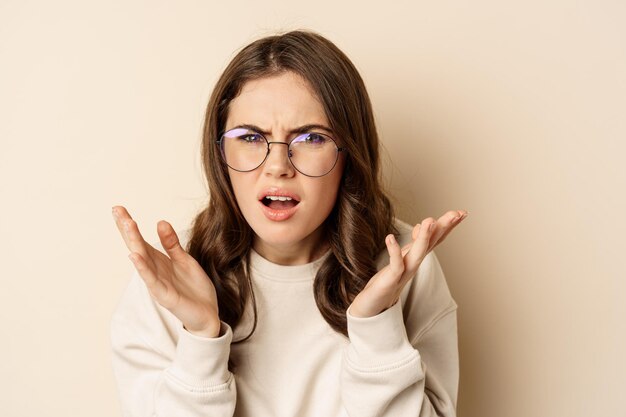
(279, 203)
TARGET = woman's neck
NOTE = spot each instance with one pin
(303, 252)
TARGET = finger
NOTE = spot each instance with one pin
(444, 224)
(449, 229)
(157, 288)
(415, 231)
(406, 248)
(396, 264)
(414, 234)
(170, 242)
(420, 245)
(119, 215)
(130, 231)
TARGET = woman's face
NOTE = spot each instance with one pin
(279, 105)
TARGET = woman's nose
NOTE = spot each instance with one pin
(277, 162)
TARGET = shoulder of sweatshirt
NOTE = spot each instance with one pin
(426, 298)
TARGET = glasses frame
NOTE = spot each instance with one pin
(289, 151)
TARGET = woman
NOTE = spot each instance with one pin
(282, 299)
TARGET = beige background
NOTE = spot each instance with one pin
(511, 110)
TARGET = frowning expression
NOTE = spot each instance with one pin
(279, 106)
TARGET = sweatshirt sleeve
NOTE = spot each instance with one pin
(385, 373)
(163, 370)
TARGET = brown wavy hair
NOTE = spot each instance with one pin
(362, 216)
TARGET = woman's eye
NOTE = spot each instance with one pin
(251, 138)
(315, 139)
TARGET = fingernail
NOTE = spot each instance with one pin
(391, 240)
(114, 212)
(430, 228)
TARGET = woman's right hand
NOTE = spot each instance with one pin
(177, 282)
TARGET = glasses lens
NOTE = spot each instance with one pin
(313, 154)
(243, 149)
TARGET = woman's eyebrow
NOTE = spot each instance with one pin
(309, 127)
(300, 129)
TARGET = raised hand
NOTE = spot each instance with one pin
(176, 280)
(383, 289)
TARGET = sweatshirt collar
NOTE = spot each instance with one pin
(286, 273)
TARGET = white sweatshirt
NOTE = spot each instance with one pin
(401, 363)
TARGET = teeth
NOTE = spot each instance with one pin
(274, 198)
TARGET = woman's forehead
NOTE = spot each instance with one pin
(282, 102)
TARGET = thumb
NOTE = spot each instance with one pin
(170, 241)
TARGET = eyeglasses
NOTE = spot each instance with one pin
(312, 154)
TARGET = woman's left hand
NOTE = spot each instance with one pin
(383, 289)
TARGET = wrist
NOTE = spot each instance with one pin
(370, 310)
(210, 331)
